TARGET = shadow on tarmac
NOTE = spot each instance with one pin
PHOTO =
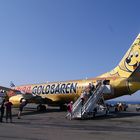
(112, 115)
(32, 111)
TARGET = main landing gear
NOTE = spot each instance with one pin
(41, 108)
(63, 107)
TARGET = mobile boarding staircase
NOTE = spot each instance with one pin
(92, 105)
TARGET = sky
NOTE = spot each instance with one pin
(59, 40)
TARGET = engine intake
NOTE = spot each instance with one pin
(16, 100)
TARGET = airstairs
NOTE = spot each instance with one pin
(94, 102)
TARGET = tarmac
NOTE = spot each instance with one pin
(52, 124)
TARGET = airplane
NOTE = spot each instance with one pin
(124, 80)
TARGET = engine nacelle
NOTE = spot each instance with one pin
(16, 100)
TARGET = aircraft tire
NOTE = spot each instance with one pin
(63, 107)
(41, 108)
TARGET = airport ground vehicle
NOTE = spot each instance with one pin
(121, 106)
(138, 108)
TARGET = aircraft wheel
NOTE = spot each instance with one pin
(41, 108)
(63, 107)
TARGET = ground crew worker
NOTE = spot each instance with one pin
(22, 104)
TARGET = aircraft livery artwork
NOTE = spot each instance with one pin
(56, 88)
(130, 61)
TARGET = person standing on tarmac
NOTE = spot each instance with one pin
(2, 109)
(69, 109)
(8, 106)
(22, 104)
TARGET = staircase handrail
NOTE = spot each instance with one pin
(93, 98)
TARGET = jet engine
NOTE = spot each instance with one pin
(16, 100)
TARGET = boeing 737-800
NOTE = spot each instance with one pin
(124, 80)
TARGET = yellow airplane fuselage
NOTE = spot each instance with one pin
(64, 92)
(124, 80)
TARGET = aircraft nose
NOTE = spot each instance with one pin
(128, 60)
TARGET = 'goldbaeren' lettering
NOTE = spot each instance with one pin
(59, 88)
